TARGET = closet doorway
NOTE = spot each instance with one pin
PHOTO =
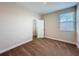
(38, 28)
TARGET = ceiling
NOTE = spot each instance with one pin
(44, 8)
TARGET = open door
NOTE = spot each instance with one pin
(40, 28)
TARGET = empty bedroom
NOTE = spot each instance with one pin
(39, 29)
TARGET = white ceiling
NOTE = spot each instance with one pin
(42, 8)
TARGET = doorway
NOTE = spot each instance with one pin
(38, 28)
(34, 28)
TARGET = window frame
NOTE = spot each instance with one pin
(65, 22)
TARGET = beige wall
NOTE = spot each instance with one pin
(52, 27)
(15, 26)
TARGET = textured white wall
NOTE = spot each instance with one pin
(15, 25)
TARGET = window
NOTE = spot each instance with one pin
(66, 21)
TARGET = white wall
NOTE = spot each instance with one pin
(77, 22)
(15, 26)
(52, 27)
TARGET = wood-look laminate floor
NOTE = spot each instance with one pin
(43, 47)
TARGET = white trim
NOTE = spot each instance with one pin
(61, 40)
(14, 46)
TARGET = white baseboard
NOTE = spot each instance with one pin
(14, 46)
(61, 40)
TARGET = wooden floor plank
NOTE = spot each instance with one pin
(44, 47)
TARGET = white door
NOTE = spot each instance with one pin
(40, 28)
